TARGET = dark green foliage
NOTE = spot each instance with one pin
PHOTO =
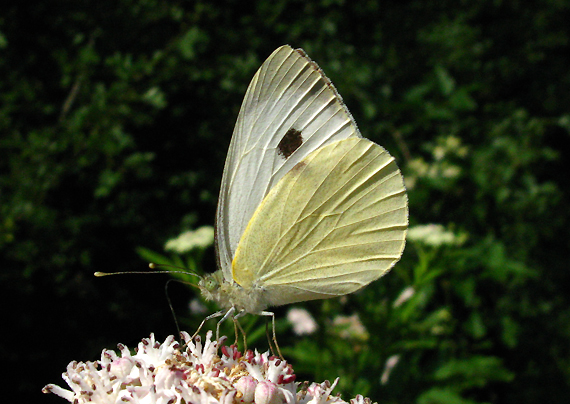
(115, 117)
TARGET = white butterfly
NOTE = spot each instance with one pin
(308, 208)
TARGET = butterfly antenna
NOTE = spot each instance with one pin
(177, 270)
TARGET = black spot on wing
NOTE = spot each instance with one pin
(290, 142)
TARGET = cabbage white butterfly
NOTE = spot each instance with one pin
(308, 208)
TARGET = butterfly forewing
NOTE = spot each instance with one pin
(290, 109)
(334, 223)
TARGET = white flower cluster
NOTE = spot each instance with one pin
(435, 235)
(169, 373)
(202, 237)
(443, 166)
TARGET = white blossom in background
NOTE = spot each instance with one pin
(350, 327)
(196, 306)
(170, 373)
(202, 237)
(302, 321)
(434, 235)
(404, 296)
(445, 153)
(390, 364)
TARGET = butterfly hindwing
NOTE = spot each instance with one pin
(334, 223)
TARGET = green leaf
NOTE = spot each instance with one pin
(442, 396)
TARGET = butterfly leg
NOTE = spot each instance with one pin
(272, 315)
(235, 331)
(216, 314)
(238, 325)
(229, 313)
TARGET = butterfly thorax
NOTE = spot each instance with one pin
(230, 294)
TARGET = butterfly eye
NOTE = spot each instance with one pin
(210, 284)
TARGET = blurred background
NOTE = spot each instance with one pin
(115, 119)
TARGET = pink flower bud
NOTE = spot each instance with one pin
(246, 386)
(267, 392)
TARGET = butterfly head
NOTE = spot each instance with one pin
(210, 285)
